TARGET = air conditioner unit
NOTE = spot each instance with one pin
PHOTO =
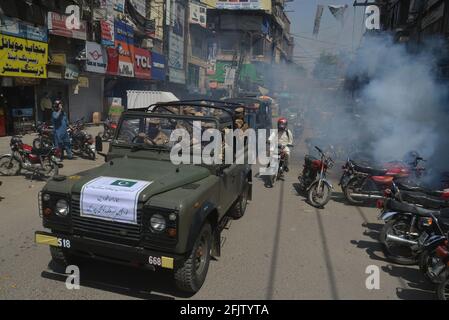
(147, 44)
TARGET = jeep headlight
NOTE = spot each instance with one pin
(158, 223)
(62, 208)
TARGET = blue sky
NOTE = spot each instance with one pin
(332, 36)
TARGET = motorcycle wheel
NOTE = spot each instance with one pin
(325, 192)
(443, 290)
(427, 259)
(9, 167)
(350, 187)
(51, 169)
(396, 252)
(91, 155)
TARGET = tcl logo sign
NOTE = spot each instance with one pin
(143, 62)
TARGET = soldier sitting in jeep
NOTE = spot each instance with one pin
(140, 208)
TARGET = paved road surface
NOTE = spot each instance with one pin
(281, 249)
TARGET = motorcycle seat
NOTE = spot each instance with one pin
(369, 170)
(395, 205)
(415, 188)
(427, 201)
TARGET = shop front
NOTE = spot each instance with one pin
(23, 64)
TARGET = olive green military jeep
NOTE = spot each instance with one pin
(142, 209)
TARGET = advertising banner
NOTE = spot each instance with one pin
(158, 66)
(57, 26)
(239, 4)
(17, 28)
(176, 44)
(96, 58)
(23, 58)
(142, 63)
(112, 67)
(107, 33)
(124, 42)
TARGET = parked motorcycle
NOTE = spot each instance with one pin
(24, 157)
(360, 183)
(407, 228)
(45, 137)
(83, 144)
(109, 129)
(313, 179)
(279, 173)
(434, 258)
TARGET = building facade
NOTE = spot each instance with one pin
(90, 53)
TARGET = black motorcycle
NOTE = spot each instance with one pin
(109, 130)
(408, 226)
(83, 144)
(313, 179)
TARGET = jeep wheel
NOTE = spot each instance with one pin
(191, 275)
(239, 208)
(60, 257)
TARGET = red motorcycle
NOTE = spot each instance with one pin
(313, 179)
(42, 162)
(362, 182)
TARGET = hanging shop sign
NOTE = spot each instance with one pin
(113, 58)
(71, 72)
(57, 26)
(96, 58)
(198, 14)
(107, 33)
(23, 58)
(83, 82)
(17, 28)
(158, 66)
(58, 59)
(142, 63)
(124, 43)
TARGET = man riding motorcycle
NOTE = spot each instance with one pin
(285, 138)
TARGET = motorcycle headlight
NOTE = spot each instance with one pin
(62, 208)
(158, 223)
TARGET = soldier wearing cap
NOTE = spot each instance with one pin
(154, 134)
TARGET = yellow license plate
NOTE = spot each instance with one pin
(48, 240)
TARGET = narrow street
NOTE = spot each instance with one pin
(281, 249)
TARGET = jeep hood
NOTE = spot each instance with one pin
(163, 174)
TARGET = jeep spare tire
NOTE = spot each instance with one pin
(190, 276)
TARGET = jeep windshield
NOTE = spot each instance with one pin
(153, 132)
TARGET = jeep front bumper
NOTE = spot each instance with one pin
(113, 252)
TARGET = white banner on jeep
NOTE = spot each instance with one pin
(112, 199)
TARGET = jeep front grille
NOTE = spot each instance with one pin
(102, 229)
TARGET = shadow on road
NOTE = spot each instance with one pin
(418, 287)
(123, 280)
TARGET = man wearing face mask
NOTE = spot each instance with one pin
(285, 138)
(61, 124)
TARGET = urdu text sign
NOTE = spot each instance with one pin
(23, 58)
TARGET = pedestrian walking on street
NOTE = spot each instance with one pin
(60, 125)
